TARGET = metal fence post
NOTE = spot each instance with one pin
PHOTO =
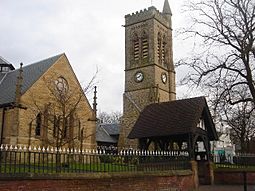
(244, 181)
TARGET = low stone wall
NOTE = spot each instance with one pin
(158, 181)
(233, 177)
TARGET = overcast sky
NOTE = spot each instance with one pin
(89, 32)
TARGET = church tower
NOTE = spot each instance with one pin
(149, 68)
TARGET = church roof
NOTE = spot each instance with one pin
(166, 8)
(102, 135)
(3, 61)
(112, 129)
(31, 73)
(173, 118)
(1, 76)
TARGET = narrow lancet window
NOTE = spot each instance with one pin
(38, 124)
(159, 49)
(145, 45)
(164, 50)
(136, 47)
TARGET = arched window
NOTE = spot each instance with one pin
(38, 124)
(136, 47)
(145, 46)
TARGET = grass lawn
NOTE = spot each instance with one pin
(234, 167)
(66, 168)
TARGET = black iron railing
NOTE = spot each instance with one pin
(15, 160)
(238, 160)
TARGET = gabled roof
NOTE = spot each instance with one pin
(173, 118)
(103, 136)
(3, 61)
(111, 128)
(2, 75)
(31, 73)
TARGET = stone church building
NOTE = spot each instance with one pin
(149, 68)
(152, 117)
(44, 104)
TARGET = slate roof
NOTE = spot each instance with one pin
(3, 61)
(31, 73)
(103, 136)
(112, 129)
(2, 75)
(173, 118)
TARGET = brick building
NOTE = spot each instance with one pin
(44, 104)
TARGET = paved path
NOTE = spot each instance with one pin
(225, 188)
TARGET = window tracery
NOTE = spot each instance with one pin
(61, 86)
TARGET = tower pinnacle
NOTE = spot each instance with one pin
(166, 8)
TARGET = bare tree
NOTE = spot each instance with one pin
(113, 117)
(224, 61)
(56, 122)
(241, 120)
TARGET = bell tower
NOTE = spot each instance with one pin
(149, 68)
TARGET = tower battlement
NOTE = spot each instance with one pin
(146, 14)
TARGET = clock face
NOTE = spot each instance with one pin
(139, 76)
(164, 77)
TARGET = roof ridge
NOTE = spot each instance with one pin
(104, 130)
(178, 100)
(58, 55)
(31, 73)
(6, 61)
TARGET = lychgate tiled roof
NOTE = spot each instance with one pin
(31, 74)
(172, 118)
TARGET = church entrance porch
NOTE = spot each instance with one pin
(182, 126)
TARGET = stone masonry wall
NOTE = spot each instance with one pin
(39, 95)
